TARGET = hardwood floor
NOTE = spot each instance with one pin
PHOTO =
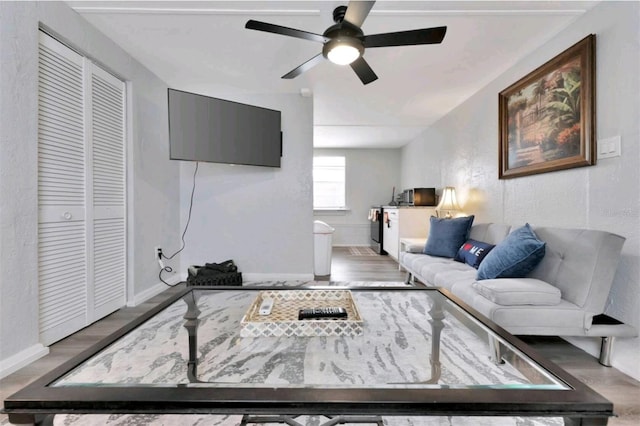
(619, 388)
(368, 266)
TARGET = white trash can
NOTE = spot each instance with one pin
(322, 236)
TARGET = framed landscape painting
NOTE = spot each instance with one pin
(547, 119)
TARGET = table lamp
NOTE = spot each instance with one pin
(448, 201)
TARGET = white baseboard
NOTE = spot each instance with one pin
(153, 291)
(22, 359)
(276, 277)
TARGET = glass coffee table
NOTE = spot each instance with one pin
(402, 351)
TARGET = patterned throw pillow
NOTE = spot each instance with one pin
(517, 255)
(447, 235)
(472, 252)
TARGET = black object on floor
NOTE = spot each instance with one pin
(211, 274)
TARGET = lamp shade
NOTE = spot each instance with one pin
(448, 201)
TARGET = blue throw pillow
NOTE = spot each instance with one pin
(472, 252)
(514, 257)
(447, 235)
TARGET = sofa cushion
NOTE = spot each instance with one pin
(414, 248)
(428, 271)
(448, 279)
(447, 235)
(472, 252)
(563, 319)
(517, 255)
(415, 261)
(518, 291)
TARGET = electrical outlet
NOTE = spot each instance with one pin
(157, 253)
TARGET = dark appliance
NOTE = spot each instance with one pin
(419, 197)
(377, 221)
(202, 128)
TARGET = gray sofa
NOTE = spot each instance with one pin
(565, 295)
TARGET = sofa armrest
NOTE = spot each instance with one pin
(414, 248)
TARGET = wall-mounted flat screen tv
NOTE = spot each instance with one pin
(202, 128)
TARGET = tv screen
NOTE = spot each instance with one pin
(202, 128)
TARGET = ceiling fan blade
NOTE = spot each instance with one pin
(363, 70)
(291, 32)
(406, 38)
(357, 12)
(304, 67)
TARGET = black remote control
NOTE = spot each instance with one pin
(328, 313)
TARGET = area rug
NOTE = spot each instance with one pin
(362, 251)
(400, 354)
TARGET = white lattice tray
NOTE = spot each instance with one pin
(283, 320)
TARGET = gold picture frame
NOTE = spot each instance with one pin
(547, 119)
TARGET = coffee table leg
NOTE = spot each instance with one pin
(246, 419)
(191, 324)
(22, 419)
(30, 419)
(437, 315)
(495, 349)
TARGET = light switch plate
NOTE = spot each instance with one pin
(609, 147)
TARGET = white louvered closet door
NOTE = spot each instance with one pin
(108, 195)
(62, 262)
(81, 192)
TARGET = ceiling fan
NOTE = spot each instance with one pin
(344, 42)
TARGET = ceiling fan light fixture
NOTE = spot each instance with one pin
(344, 42)
(343, 51)
(343, 54)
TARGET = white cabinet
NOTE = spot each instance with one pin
(404, 222)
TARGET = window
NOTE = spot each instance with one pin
(329, 183)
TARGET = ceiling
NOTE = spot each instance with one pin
(203, 45)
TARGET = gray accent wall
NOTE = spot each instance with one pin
(604, 196)
(152, 180)
(261, 217)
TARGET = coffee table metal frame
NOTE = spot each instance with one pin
(578, 405)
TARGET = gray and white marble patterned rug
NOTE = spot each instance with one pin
(334, 359)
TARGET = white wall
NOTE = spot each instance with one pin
(370, 177)
(424, 155)
(605, 196)
(152, 179)
(260, 217)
